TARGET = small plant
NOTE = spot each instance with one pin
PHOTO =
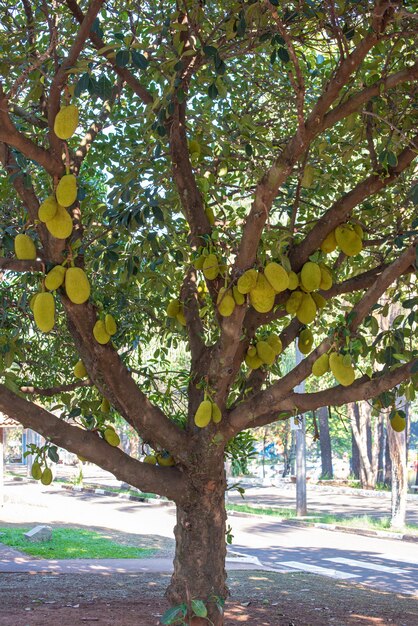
(181, 614)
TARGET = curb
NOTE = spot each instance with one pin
(350, 530)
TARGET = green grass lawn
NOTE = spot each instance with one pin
(72, 543)
(358, 521)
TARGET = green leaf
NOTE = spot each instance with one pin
(213, 91)
(122, 58)
(210, 51)
(82, 85)
(139, 60)
(283, 54)
(414, 368)
(53, 454)
(199, 608)
(173, 615)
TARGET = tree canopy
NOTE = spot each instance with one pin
(213, 146)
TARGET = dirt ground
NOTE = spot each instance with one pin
(257, 599)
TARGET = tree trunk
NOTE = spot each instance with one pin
(388, 461)
(199, 562)
(380, 460)
(325, 443)
(355, 458)
(397, 446)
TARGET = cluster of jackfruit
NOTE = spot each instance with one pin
(348, 237)
(44, 475)
(53, 210)
(339, 364)
(263, 287)
(210, 265)
(175, 310)
(304, 302)
(25, 249)
(264, 352)
(164, 459)
(207, 411)
(228, 299)
(103, 330)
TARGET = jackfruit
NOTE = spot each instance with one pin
(211, 267)
(32, 301)
(25, 249)
(265, 352)
(77, 285)
(253, 362)
(111, 437)
(194, 148)
(99, 332)
(358, 229)
(252, 351)
(210, 215)
(225, 302)
(329, 244)
(321, 365)
(55, 278)
(80, 370)
(397, 422)
(105, 406)
(216, 413)
(293, 302)
(276, 343)
(46, 476)
(238, 296)
(66, 191)
(277, 277)
(198, 263)
(319, 300)
(36, 470)
(326, 278)
(66, 121)
(247, 281)
(310, 276)
(110, 324)
(262, 295)
(173, 308)
(165, 459)
(44, 311)
(48, 209)
(348, 240)
(305, 341)
(180, 317)
(61, 225)
(308, 176)
(344, 375)
(150, 459)
(203, 414)
(293, 280)
(307, 311)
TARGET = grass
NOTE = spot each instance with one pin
(359, 521)
(72, 543)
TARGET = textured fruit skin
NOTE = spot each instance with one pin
(238, 296)
(305, 341)
(210, 215)
(398, 423)
(46, 477)
(326, 278)
(247, 281)
(253, 362)
(293, 280)
(77, 285)
(307, 311)
(293, 302)
(80, 370)
(344, 375)
(99, 332)
(24, 248)
(66, 121)
(180, 317)
(48, 209)
(44, 311)
(210, 267)
(277, 277)
(110, 324)
(165, 459)
(319, 300)
(348, 240)
(265, 352)
(321, 365)
(203, 414)
(55, 278)
(61, 225)
(66, 190)
(173, 308)
(225, 302)
(198, 263)
(216, 413)
(276, 343)
(310, 276)
(150, 459)
(36, 471)
(111, 437)
(105, 406)
(329, 244)
(262, 295)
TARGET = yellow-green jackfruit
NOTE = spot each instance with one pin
(66, 191)
(345, 375)
(310, 276)
(44, 311)
(277, 277)
(203, 414)
(61, 225)
(48, 209)
(262, 295)
(247, 281)
(66, 121)
(225, 302)
(55, 278)
(99, 332)
(307, 310)
(211, 267)
(77, 285)
(25, 249)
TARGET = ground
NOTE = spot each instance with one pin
(137, 600)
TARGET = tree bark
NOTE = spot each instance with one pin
(397, 445)
(355, 457)
(199, 562)
(381, 447)
(388, 462)
(325, 443)
(360, 417)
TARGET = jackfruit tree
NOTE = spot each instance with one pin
(227, 178)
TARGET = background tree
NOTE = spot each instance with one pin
(249, 131)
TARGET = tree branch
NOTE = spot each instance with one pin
(53, 391)
(16, 265)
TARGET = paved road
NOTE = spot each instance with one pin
(388, 564)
